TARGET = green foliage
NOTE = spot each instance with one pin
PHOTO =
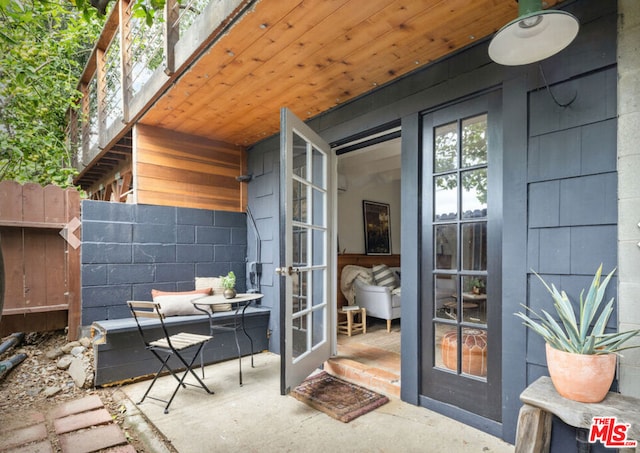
(43, 49)
(147, 9)
(583, 334)
(229, 281)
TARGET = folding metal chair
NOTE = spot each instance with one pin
(168, 346)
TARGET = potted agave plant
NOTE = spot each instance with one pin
(581, 357)
(229, 284)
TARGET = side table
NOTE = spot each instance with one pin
(350, 326)
(242, 302)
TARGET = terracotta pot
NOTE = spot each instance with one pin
(581, 377)
(474, 351)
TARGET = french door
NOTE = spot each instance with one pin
(460, 294)
(306, 314)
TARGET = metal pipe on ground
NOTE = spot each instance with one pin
(6, 365)
(13, 340)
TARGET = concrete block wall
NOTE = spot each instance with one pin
(130, 249)
(629, 188)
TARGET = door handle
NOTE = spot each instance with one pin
(286, 271)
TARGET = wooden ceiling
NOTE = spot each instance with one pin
(313, 55)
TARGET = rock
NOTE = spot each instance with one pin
(50, 391)
(77, 351)
(53, 354)
(69, 346)
(77, 372)
(64, 362)
(33, 391)
(85, 341)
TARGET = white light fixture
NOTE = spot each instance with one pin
(534, 35)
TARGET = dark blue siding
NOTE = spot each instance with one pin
(127, 250)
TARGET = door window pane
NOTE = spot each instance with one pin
(299, 280)
(318, 282)
(446, 246)
(446, 148)
(299, 201)
(474, 246)
(446, 300)
(299, 246)
(319, 209)
(467, 357)
(319, 177)
(446, 349)
(474, 352)
(474, 193)
(318, 327)
(445, 189)
(299, 157)
(474, 141)
(299, 331)
(474, 299)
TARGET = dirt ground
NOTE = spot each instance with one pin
(25, 387)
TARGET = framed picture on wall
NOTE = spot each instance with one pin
(377, 234)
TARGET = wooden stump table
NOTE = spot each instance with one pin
(541, 402)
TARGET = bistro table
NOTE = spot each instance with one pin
(241, 301)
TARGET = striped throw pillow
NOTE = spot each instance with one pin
(384, 276)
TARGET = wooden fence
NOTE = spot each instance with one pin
(41, 258)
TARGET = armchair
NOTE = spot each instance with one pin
(380, 301)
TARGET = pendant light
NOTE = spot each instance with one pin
(535, 35)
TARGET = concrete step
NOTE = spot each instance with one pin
(377, 379)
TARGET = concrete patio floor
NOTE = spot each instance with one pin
(256, 418)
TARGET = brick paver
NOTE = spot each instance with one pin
(81, 426)
(76, 406)
(80, 421)
(43, 446)
(23, 436)
(27, 418)
(92, 439)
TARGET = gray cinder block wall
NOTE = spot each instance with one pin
(129, 249)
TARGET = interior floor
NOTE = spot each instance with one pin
(371, 359)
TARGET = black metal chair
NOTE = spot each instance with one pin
(168, 346)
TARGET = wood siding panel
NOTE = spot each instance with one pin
(12, 244)
(35, 269)
(55, 269)
(10, 201)
(54, 204)
(38, 295)
(174, 169)
(32, 203)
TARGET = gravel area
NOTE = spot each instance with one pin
(43, 380)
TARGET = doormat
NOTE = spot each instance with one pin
(340, 399)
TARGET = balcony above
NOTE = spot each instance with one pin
(221, 70)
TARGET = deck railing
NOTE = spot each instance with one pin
(132, 62)
(145, 50)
